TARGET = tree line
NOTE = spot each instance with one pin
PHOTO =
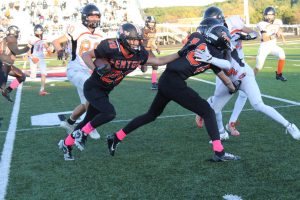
(287, 10)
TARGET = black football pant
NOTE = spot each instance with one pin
(100, 110)
(175, 88)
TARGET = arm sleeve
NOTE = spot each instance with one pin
(145, 56)
(13, 46)
(101, 50)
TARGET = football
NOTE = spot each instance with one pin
(102, 66)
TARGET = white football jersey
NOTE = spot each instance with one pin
(235, 24)
(38, 46)
(83, 40)
(270, 29)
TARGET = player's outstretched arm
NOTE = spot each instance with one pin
(57, 44)
(162, 60)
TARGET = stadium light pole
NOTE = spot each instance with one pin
(246, 12)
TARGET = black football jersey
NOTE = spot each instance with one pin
(121, 64)
(187, 66)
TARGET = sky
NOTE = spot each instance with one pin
(168, 3)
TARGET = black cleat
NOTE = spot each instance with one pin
(112, 143)
(225, 157)
(5, 94)
(67, 150)
(280, 77)
(80, 139)
(154, 86)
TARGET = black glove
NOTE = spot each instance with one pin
(250, 36)
(103, 69)
(186, 48)
(237, 85)
(60, 54)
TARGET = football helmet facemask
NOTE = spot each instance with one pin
(219, 37)
(38, 31)
(90, 10)
(129, 31)
(150, 22)
(13, 31)
(214, 12)
(269, 14)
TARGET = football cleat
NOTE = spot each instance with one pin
(43, 93)
(225, 157)
(199, 121)
(154, 86)
(293, 131)
(67, 150)
(224, 135)
(5, 94)
(232, 130)
(94, 134)
(112, 143)
(280, 77)
(68, 127)
(80, 139)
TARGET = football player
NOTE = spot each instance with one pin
(123, 55)
(173, 87)
(270, 30)
(150, 45)
(37, 57)
(242, 73)
(83, 37)
(9, 45)
(239, 32)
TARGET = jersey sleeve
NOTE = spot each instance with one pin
(144, 55)
(278, 22)
(73, 31)
(102, 50)
(262, 26)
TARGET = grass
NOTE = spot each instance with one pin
(166, 159)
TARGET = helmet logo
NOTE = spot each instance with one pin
(127, 33)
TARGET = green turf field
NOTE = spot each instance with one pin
(167, 159)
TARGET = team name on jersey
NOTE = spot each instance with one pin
(126, 64)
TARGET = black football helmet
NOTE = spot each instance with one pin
(214, 12)
(129, 31)
(150, 22)
(89, 10)
(13, 31)
(38, 31)
(207, 23)
(269, 14)
(219, 37)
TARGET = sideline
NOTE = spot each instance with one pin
(9, 145)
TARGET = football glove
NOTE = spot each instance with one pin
(237, 85)
(60, 54)
(250, 36)
(203, 55)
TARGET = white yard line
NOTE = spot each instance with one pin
(9, 145)
(128, 120)
(264, 95)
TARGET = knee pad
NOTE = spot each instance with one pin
(259, 106)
